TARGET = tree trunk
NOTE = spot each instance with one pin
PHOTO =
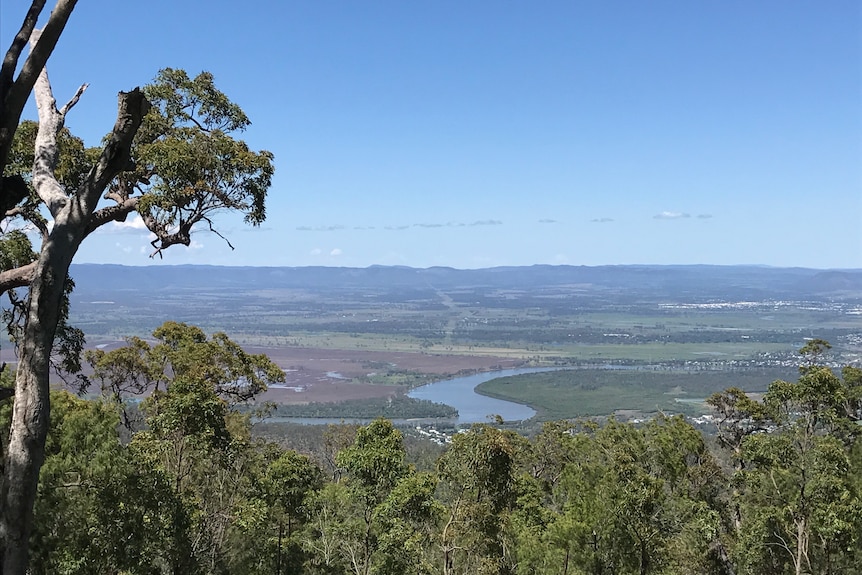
(30, 417)
(801, 544)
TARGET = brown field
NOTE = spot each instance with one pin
(324, 375)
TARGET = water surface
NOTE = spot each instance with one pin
(474, 408)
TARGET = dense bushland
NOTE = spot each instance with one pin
(192, 490)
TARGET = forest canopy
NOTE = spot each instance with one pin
(193, 489)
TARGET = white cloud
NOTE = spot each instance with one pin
(196, 245)
(336, 252)
(320, 228)
(135, 224)
(316, 251)
(124, 248)
(671, 216)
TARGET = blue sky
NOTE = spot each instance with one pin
(474, 134)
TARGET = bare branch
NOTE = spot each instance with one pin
(74, 100)
(42, 226)
(216, 232)
(164, 238)
(119, 191)
(15, 278)
(115, 158)
(10, 61)
(47, 152)
(15, 212)
(117, 213)
(14, 96)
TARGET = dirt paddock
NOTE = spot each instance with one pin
(325, 375)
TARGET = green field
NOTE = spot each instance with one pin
(569, 394)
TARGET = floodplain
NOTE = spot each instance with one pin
(674, 334)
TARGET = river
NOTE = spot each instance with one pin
(459, 392)
(472, 407)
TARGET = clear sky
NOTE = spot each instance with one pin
(476, 133)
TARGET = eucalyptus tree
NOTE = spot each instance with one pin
(181, 351)
(100, 509)
(286, 485)
(478, 478)
(172, 157)
(618, 498)
(378, 514)
(373, 465)
(801, 502)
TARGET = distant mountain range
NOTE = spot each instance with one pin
(700, 281)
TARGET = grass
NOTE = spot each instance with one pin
(652, 351)
(577, 393)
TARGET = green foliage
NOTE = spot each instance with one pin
(287, 482)
(398, 407)
(572, 393)
(379, 518)
(74, 161)
(799, 502)
(189, 408)
(477, 475)
(375, 462)
(406, 520)
(189, 160)
(195, 493)
(98, 509)
(618, 499)
(16, 250)
(274, 515)
(183, 353)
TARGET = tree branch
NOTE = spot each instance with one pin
(15, 278)
(46, 151)
(132, 107)
(74, 100)
(10, 61)
(14, 95)
(117, 213)
(216, 232)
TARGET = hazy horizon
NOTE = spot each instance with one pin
(238, 265)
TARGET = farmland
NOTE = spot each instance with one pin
(347, 335)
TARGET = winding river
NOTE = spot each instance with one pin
(474, 408)
(458, 392)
